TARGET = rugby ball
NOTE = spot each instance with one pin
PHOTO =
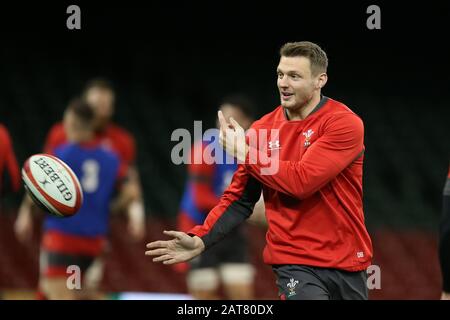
(52, 185)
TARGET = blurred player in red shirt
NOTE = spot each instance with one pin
(79, 240)
(307, 157)
(9, 169)
(100, 95)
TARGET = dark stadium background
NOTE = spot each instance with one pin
(172, 63)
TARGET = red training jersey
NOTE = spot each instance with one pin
(314, 197)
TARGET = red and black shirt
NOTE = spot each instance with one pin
(314, 197)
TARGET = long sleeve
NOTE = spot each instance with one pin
(235, 205)
(444, 238)
(339, 145)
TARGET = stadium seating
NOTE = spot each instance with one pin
(407, 260)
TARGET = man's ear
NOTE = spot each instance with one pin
(321, 80)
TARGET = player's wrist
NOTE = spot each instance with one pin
(199, 245)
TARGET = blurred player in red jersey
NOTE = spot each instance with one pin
(9, 169)
(228, 262)
(310, 170)
(79, 240)
(444, 241)
(99, 94)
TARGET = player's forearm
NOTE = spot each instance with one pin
(321, 163)
(232, 210)
(133, 185)
(444, 259)
(27, 205)
(294, 178)
(120, 203)
(136, 211)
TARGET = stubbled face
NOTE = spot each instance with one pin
(296, 83)
(229, 110)
(102, 101)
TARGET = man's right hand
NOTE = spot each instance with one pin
(180, 249)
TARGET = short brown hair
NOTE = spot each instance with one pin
(317, 57)
(82, 110)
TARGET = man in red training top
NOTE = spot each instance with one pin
(311, 177)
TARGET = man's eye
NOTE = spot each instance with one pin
(295, 76)
(280, 75)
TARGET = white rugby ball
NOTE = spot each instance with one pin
(52, 185)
